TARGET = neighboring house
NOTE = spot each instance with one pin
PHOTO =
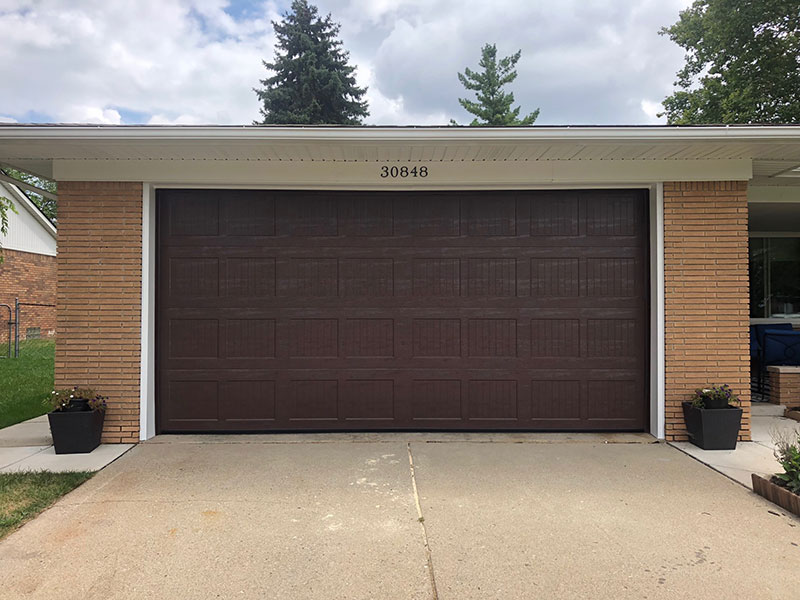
(28, 272)
(328, 278)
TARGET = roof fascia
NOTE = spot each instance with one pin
(387, 134)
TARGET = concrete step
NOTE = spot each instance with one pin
(765, 409)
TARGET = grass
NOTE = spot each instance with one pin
(25, 495)
(26, 381)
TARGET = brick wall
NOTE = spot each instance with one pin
(784, 386)
(31, 278)
(706, 294)
(99, 297)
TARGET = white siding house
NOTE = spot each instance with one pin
(28, 229)
(28, 270)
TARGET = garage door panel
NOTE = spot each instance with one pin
(436, 399)
(193, 214)
(371, 216)
(247, 278)
(367, 310)
(430, 244)
(307, 215)
(251, 215)
(493, 218)
(248, 402)
(605, 275)
(191, 401)
(354, 340)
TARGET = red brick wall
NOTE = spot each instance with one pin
(99, 297)
(31, 278)
(706, 291)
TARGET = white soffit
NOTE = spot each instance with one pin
(772, 149)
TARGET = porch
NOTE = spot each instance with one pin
(774, 277)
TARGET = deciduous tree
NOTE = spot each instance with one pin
(47, 205)
(742, 63)
(5, 206)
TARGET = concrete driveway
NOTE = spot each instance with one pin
(339, 517)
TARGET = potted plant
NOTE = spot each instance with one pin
(713, 418)
(784, 488)
(76, 421)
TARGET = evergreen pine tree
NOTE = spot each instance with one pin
(493, 108)
(312, 82)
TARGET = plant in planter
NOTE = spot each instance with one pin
(76, 421)
(713, 418)
(783, 488)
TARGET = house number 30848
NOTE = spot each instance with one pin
(403, 172)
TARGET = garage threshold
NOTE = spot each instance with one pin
(418, 437)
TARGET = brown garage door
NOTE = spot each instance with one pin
(295, 310)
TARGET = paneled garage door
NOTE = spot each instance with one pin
(296, 310)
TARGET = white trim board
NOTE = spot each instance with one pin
(657, 340)
(147, 388)
(442, 175)
(656, 375)
(765, 193)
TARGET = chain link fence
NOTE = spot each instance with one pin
(15, 323)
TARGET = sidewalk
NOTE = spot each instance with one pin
(28, 446)
(749, 457)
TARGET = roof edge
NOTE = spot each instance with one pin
(598, 133)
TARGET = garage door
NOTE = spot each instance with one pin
(299, 311)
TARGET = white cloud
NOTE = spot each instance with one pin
(148, 56)
(651, 109)
(91, 114)
(7, 119)
(385, 110)
(190, 61)
(179, 120)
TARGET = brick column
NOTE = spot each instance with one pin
(706, 295)
(99, 297)
(784, 386)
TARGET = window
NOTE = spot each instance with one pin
(775, 277)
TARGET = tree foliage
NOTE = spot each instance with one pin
(313, 83)
(5, 206)
(493, 106)
(47, 205)
(742, 62)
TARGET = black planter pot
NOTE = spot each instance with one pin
(715, 403)
(76, 432)
(713, 428)
(77, 405)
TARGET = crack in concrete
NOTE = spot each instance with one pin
(16, 462)
(421, 520)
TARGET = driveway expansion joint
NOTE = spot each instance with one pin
(421, 519)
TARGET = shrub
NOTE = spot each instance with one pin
(787, 451)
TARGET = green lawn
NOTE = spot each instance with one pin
(26, 381)
(25, 495)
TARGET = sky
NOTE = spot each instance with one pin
(584, 62)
